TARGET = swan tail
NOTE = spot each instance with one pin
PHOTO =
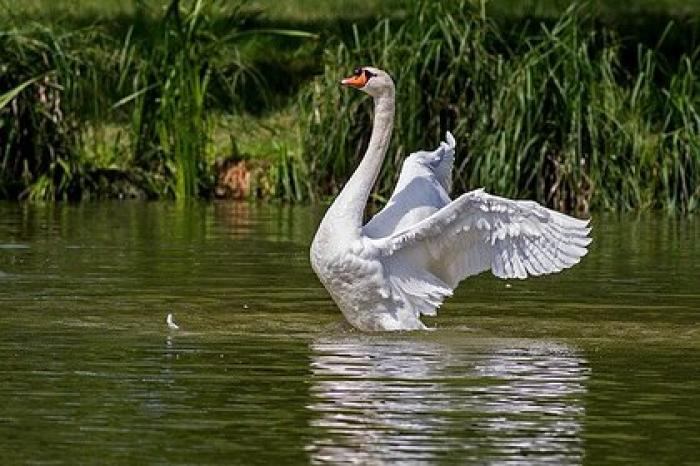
(415, 293)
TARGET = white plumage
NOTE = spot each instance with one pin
(414, 252)
(171, 323)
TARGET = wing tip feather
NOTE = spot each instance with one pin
(450, 139)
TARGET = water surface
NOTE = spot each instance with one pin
(596, 365)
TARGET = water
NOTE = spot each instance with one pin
(597, 365)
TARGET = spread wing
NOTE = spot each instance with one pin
(478, 232)
(422, 189)
(428, 243)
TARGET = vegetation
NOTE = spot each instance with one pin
(38, 133)
(91, 114)
(552, 116)
(170, 76)
(563, 106)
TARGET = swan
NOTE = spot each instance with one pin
(411, 255)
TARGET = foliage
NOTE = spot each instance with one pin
(142, 104)
(170, 75)
(160, 87)
(169, 126)
(38, 135)
(552, 115)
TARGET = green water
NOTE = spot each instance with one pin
(597, 365)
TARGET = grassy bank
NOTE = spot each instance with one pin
(586, 108)
(552, 115)
(136, 108)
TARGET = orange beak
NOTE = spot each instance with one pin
(357, 81)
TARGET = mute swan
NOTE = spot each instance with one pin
(407, 259)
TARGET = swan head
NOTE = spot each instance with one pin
(370, 80)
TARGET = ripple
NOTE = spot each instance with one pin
(13, 246)
(414, 401)
(600, 357)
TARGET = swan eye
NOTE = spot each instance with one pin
(368, 74)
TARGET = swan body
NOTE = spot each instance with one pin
(411, 256)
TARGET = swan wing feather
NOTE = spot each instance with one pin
(421, 190)
(443, 170)
(478, 232)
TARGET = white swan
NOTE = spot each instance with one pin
(413, 253)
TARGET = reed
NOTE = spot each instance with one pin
(552, 115)
(38, 135)
(154, 85)
(170, 122)
(562, 112)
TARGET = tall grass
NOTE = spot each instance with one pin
(552, 116)
(170, 125)
(549, 112)
(38, 134)
(160, 86)
(168, 80)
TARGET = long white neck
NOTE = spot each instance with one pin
(347, 210)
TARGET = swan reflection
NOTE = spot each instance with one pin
(377, 401)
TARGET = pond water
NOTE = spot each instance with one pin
(599, 364)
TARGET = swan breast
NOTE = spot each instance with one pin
(355, 278)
